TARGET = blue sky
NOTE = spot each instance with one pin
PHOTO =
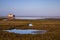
(30, 7)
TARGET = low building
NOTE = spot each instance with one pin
(11, 16)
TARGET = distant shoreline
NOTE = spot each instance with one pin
(33, 17)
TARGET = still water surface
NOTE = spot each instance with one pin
(29, 31)
(29, 17)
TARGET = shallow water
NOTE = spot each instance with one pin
(29, 18)
(29, 31)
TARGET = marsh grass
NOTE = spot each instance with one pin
(52, 27)
(46, 36)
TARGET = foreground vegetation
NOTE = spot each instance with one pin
(47, 36)
(52, 27)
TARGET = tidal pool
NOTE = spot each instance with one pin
(28, 31)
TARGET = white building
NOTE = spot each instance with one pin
(11, 16)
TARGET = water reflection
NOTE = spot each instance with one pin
(29, 31)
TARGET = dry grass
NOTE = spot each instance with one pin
(12, 36)
(52, 26)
